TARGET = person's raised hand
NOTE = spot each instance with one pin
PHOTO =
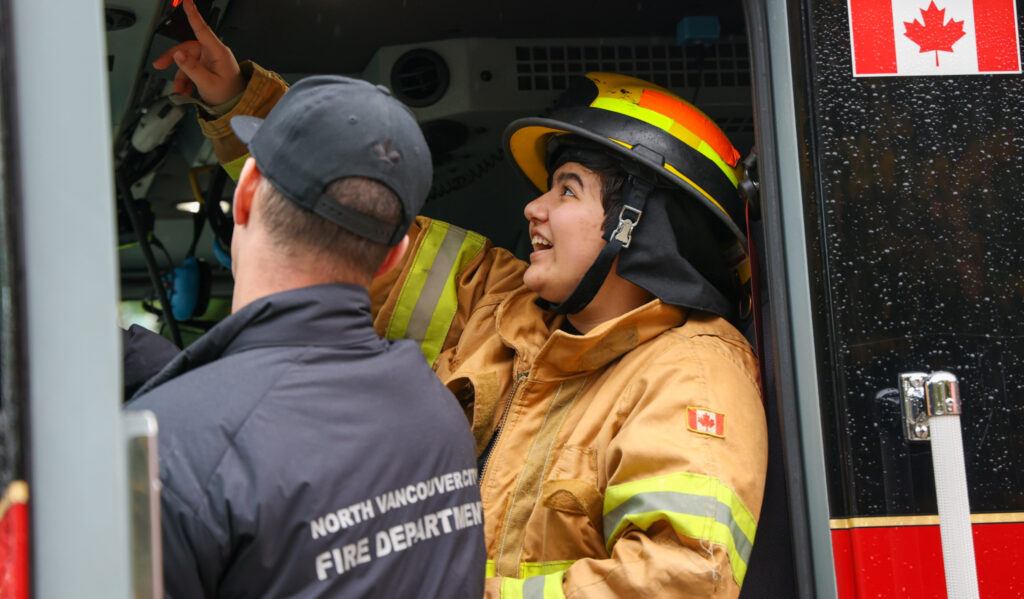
(205, 65)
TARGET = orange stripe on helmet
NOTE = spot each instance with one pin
(692, 119)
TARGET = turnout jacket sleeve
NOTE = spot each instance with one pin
(680, 505)
(262, 91)
(446, 275)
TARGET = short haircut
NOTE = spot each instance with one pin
(294, 229)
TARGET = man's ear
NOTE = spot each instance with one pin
(393, 256)
(245, 191)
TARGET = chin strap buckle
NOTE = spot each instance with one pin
(624, 230)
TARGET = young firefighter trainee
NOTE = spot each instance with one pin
(619, 430)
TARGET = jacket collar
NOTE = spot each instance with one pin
(553, 354)
(335, 315)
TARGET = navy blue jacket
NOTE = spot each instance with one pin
(301, 455)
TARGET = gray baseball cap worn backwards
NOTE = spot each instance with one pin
(327, 127)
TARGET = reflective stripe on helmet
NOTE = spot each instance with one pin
(700, 189)
(697, 506)
(427, 302)
(676, 129)
(676, 172)
(693, 120)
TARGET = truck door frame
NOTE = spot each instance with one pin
(776, 42)
(58, 141)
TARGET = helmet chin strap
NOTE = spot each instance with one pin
(634, 191)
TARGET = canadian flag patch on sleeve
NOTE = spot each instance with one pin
(705, 422)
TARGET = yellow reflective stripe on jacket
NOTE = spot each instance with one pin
(529, 569)
(548, 586)
(234, 168)
(427, 301)
(696, 505)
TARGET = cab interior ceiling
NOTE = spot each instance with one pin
(501, 60)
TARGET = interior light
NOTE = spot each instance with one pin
(193, 207)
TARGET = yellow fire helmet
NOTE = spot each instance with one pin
(645, 123)
(651, 130)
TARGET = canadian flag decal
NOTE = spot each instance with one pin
(933, 37)
(706, 422)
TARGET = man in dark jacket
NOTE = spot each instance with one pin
(301, 455)
(145, 353)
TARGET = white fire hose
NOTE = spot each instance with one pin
(942, 396)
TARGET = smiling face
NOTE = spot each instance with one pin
(566, 227)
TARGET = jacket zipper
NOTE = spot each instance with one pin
(481, 462)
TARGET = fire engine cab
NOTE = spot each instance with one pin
(885, 209)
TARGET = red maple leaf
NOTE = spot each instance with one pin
(706, 421)
(934, 34)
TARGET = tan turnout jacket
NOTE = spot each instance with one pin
(627, 462)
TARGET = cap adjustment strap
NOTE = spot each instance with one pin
(356, 222)
(635, 192)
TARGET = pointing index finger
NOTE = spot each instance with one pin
(204, 34)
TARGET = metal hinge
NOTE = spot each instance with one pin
(925, 395)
